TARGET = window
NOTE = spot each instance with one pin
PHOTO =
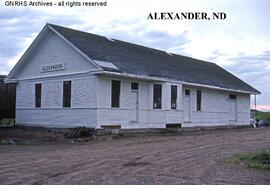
(157, 89)
(115, 93)
(38, 95)
(134, 86)
(187, 92)
(232, 96)
(173, 96)
(199, 100)
(67, 94)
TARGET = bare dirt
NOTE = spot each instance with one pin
(190, 158)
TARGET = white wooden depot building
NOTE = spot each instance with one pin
(69, 78)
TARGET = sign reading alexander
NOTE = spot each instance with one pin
(53, 67)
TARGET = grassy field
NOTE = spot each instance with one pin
(263, 115)
(257, 160)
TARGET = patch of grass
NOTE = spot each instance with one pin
(262, 115)
(257, 160)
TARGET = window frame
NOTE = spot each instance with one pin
(159, 106)
(38, 94)
(174, 99)
(117, 105)
(67, 97)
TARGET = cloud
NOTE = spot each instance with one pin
(19, 27)
(254, 69)
(261, 107)
(139, 32)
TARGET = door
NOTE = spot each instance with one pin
(187, 102)
(233, 110)
(134, 106)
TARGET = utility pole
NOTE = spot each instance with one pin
(255, 102)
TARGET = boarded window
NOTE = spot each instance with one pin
(173, 96)
(199, 100)
(38, 95)
(157, 90)
(232, 96)
(134, 86)
(115, 93)
(67, 94)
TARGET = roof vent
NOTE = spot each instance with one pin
(169, 53)
(110, 39)
(105, 64)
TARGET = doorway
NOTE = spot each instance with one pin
(233, 109)
(187, 106)
(134, 102)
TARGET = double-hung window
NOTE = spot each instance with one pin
(157, 96)
(67, 94)
(173, 97)
(115, 93)
(199, 100)
(38, 88)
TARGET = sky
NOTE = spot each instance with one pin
(240, 43)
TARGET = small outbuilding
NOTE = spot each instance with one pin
(70, 78)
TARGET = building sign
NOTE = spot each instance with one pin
(53, 67)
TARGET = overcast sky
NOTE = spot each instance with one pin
(240, 44)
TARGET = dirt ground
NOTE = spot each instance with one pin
(190, 158)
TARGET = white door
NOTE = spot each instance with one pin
(187, 115)
(233, 110)
(134, 106)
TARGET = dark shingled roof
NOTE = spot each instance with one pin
(140, 60)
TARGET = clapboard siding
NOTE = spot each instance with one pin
(244, 103)
(113, 116)
(51, 94)
(144, 95)
(25, 95)
(157, 117)
(215, 108)
(104, 93)
(54, 50)
(84, 93)
(83, 103)
(125, 94)
(56, 117)
(174, 116)
(147, 116)
(91, 100)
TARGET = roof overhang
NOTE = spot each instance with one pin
(13, 81)
(217, 88)
(159, 79)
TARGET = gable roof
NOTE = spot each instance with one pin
(139, 60)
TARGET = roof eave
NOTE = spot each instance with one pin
(220, 88)
(161, 79)
(13, 81)
(14, 70)
(50, 26)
